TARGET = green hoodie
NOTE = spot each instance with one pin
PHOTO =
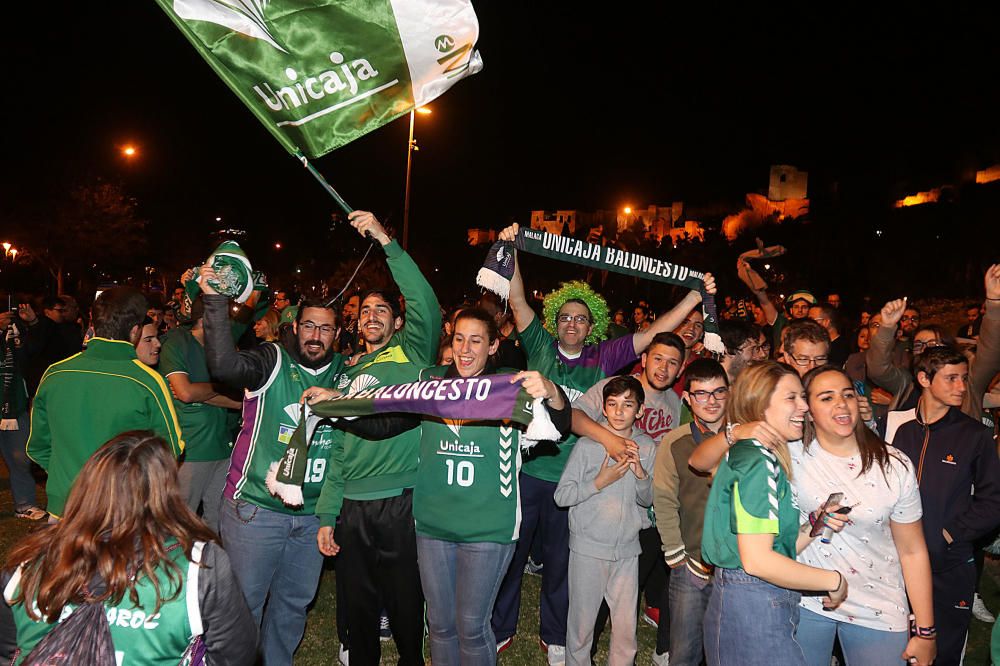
(362, 469)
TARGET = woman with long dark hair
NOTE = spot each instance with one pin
(882, 554)
(128, 541)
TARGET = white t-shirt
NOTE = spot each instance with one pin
(864, 551)
(661, 411)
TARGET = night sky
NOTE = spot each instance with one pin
(575, 108)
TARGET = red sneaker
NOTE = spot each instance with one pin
(651, 616)
(504, 644)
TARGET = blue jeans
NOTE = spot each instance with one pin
(538, 511)
(12, 444)
(460, 582)
(689, 596)
(275, 559)
(861, 645)
(751, 622)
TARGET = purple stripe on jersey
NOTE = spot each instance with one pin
(242, 448)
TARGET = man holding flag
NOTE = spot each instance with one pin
(369, 485)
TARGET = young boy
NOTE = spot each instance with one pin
(606, 503)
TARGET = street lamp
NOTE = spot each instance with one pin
(411, 146)
(130, 151)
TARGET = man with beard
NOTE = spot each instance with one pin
(660, 364)
(370, 483)
(272, 547)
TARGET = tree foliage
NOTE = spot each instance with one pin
(91, 226)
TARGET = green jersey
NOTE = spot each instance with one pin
(575, 375)
(750, 495)
(204, 426)
(140, 636)
(270, 416)
(472, 465)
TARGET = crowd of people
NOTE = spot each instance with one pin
(826, 480)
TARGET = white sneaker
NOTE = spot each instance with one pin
(661, 659)
(557, 655)
(981, 612)
(343, 656)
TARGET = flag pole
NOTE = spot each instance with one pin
(322, 181)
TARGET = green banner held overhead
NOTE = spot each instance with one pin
(322, 73)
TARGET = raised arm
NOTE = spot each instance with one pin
(248, 369)
(757, 287)
(987, 364)
(674, 318)
(878, 358)
(423, 312)
(523, 314)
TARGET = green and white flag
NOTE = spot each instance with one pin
(322, 73)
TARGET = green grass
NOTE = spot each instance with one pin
(319, 646)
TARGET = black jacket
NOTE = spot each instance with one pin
(230, 632)
(954, 457)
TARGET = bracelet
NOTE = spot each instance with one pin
(927, 633)
(840, 582)
(730, 437)
(992, 299)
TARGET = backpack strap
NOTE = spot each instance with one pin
(12, 585)
(191, 593)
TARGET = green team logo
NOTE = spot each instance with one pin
(243, 16)
(444, 43)
(456, 58)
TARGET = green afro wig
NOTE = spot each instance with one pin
(578, 290)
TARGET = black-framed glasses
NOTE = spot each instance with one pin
(579, 319)
(803, 361)
(309, 327)
(919, 347)
(701, 397)
(913, 318)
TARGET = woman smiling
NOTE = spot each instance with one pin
(882, 555)
(466, 503)
(752, 532)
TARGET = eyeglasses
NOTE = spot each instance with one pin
(910, 318)
(579, 319)
(701, 397)
(921, 346)
(309, 327)
(803, 361)
(753, 348)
